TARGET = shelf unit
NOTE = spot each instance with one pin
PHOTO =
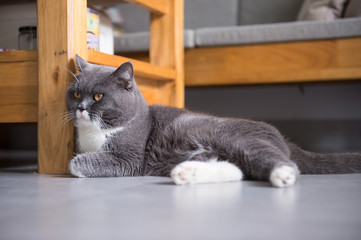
(19, 86)
(34, 82)
(271, 63)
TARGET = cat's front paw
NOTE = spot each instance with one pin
(283, 176)
(76, 166)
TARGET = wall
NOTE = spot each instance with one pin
(324, 117)
(11, 18)
(213, 14)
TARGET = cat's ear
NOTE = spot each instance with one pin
(125, 75)
(81, 63)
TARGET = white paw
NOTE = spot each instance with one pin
(74, 170)
(283, 176)
(205, 172)
(184, 173)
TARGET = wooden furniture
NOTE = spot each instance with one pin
(287, 62)
(33, 83)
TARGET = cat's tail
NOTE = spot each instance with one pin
(330, 163)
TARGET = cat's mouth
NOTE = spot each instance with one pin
(82, 116)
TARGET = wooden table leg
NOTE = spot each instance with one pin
(61, 34)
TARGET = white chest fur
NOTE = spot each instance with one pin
(91, 137)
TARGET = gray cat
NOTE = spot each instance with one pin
(118, 134)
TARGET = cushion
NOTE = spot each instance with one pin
(139, 41)
(278, 32)
(321, 10)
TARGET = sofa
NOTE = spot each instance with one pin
(259, 41)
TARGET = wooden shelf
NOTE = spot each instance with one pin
(142, 69)
(19, 86)
(292, 62)
(18, 56)
(19, 81)
(155, 6)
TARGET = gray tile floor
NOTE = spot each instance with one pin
(34, 206)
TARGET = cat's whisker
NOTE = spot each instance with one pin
(57, 117)
(68, 70)
(100, 120)
(102, 123)
(64, 119)
(57, 103)
(68, 82)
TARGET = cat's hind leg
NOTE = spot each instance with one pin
(265, 161)
(283, 176)
(205, 172)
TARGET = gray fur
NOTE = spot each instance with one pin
(156, 138)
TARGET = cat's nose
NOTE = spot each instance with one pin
(81, 108)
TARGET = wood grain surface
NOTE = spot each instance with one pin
(19, 92)
(167, 50)
(61, 34)
(310, 61)
(142, 69)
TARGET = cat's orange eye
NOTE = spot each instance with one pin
(77, 95)
(98, 96)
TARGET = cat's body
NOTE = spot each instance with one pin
(119, 135)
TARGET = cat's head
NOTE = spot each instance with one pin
(103, 96)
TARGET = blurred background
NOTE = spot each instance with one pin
(320, 117)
